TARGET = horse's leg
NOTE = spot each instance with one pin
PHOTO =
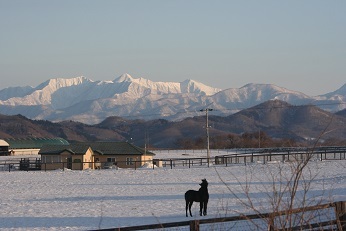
(205, 208)
(200, 207)
(190, 205)
(187, 206)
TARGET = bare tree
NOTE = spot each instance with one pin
(290, 183)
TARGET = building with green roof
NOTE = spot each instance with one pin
(31, 145)
(103, 154)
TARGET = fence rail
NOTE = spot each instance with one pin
(251, 157)
(242, 156)
(337, 223)
(245, 156)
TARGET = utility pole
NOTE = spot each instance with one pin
(207, 131)
(259, 138)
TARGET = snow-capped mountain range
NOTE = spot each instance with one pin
(84, 100)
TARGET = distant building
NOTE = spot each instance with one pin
(4, 151)
(93, 155)
(31, 145)
(73, 156)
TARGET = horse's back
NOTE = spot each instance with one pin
(192, 195)
(189, 193)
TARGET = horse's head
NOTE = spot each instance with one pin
(204, 183)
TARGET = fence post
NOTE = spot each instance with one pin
(340, 212)
(321, 156)
(270, 156)
(194, 225)
(288, 155)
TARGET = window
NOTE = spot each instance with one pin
(51, 159)
(77, 161)
(129, 161)
(111, 160)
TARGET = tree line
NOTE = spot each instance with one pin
(258, 139)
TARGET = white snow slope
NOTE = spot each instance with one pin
(97, 199)
(84, 100)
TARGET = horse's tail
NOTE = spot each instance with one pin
(186, 196)
(188, 201)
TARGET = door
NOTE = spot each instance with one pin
(69, 162)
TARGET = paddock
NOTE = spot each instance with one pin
(226, 157)
(197, 158)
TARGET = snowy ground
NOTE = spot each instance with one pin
(97, 199)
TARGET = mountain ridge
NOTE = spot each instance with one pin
(84, 100)
(277, 119)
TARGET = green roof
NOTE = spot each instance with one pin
(103, 148)
(34, 143)
(117, 148)
(76, 149)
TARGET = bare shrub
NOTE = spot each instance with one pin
(287, 188)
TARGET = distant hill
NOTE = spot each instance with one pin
(90, 102)
(276, 118)
(341, 113)
(280, 119)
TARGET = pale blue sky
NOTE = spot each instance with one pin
(296, 44)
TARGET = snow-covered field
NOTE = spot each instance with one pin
(97, 199)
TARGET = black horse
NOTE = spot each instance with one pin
(201, 196)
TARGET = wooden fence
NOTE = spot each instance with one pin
(338, 222)
(242, 156)
(246, 156)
